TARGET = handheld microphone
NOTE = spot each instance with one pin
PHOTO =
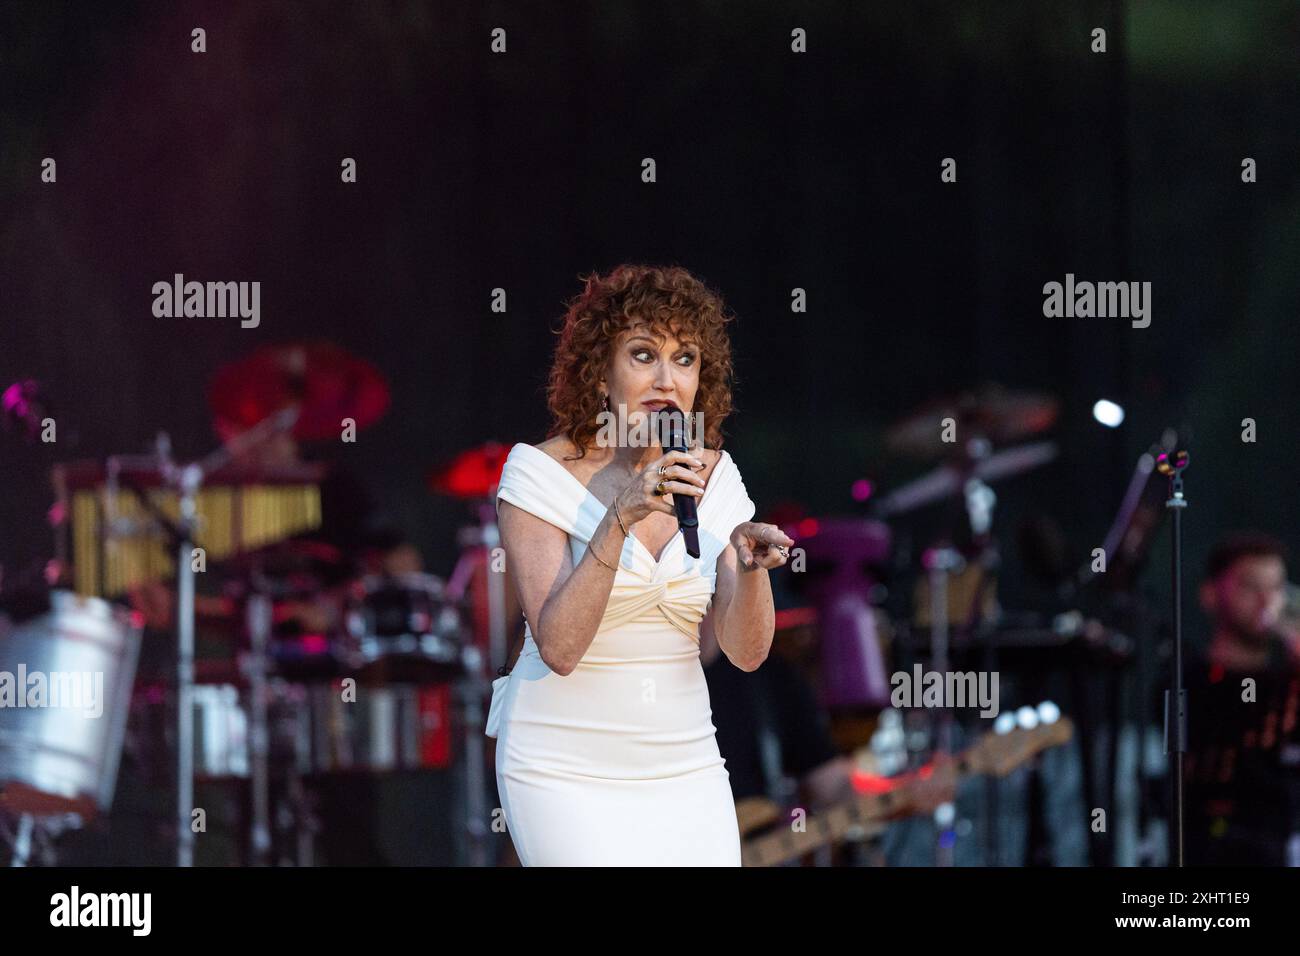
(688, 521)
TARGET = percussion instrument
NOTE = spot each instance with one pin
(473, 474)
(949, 480)
(404, 628)
(304, 643)
(384, 729)
(59, 750)
(323, 380)
(220, 731)
(312, 728)
(990, 412)
(119, 513)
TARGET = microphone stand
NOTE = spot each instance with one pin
(186, 480)
(475, 681)
(942, 562)
(1176, 703)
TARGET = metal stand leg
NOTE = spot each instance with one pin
(1172, 466)
(305, 817)
(185, 673)
(474, 687)
(942, 561)
(22, 840)
(471, 690)
(259, 631)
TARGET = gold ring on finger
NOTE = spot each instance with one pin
(660, 490)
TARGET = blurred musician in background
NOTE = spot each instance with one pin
(774, 737)
(326, 385)
(1243, 764)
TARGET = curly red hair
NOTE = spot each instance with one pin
(670, 301)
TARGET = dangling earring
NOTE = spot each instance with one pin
(604, 403)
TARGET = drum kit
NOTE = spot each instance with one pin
(959, 433)
(327, 665)
(949, 612)
(322, 666)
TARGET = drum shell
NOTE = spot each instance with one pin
(404, 630)
(222, 728)
(60, 759)
(316, 728)
(380, 729)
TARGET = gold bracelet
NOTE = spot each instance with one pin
(592, 549)
(620, 520)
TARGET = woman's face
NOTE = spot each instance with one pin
(650, 370)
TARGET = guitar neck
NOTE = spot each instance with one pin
(834, 824)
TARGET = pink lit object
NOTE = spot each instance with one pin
(853, 669)
(314, 643)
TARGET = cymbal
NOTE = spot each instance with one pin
(292, 556)
(289, 570)
(991, 412)
(327, 383)
(474, 473)
(145, 471)
(948, 480)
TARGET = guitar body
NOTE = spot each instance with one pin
(996, 754)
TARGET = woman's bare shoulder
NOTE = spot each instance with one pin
(565, 453)
(557, 446)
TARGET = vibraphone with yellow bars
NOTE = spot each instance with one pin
(236, 513)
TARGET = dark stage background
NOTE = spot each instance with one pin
(775, 170)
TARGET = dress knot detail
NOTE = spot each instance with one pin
(682, 600)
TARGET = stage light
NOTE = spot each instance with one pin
(945, 814)
(862, 490)
(1108, 413)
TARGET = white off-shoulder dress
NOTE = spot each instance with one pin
(617, 763)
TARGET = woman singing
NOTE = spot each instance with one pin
(606, 752)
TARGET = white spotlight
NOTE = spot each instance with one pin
(1108, 413)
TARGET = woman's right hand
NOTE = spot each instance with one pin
(680, 476)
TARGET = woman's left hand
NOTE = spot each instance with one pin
(761, 545)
